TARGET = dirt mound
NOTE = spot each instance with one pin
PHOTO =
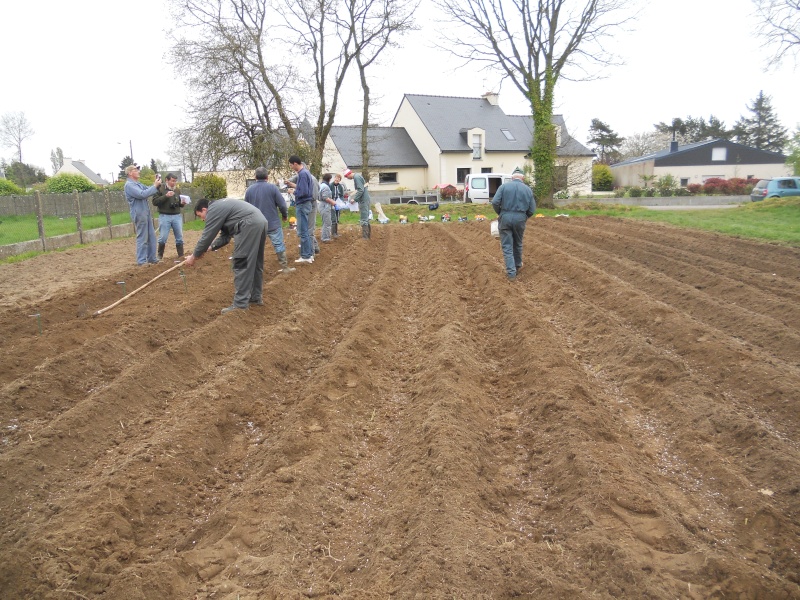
(400, 420)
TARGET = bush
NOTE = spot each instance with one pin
(649, 192)
(714, 185)
(9, 188)
(695, 188)
(210, 187)
(66, 183)
(451, 193)
(602, 179)
(619, 192)
(682, 191)
(635, 192)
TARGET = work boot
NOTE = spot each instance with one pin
(365, 232)
(369, 230)
(179, 248)
(161, 251)
(284, 262)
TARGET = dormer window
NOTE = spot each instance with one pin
(476, 146)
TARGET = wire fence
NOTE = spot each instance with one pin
(50, 221)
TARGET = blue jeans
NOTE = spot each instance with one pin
(276, 237)
(303, 231)
(512, 228)
(167, 222)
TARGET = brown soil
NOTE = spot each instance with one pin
(401, 421)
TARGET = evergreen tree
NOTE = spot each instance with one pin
(125, 162)
(605, 142)
(694, 129)
(762, 129)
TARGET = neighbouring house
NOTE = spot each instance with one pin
(697, 162)
(78, 167)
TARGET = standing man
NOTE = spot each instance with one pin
(362, 197)
(267, 198)
(247, 226)
(170, 214)
(325, 205)
(337, 193)
(303, 199)
(137, 194)
(515, 204)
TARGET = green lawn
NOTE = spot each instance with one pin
(775, 220)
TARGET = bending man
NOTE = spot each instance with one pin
(245, 224)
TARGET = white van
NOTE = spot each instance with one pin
(480, 188)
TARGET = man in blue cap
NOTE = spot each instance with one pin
(515, 204)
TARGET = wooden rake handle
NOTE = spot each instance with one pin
(137, 290)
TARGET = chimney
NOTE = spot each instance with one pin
(491, 97)
(673, 146)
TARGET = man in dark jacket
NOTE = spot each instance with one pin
(515, 204)
(247, 226)
(267, 198)
(170, 214)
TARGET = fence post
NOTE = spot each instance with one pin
(107, 199)
(40, 220)
(78, 216)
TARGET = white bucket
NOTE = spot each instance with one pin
(495, 229)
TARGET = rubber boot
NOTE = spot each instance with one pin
(335, 229)
(365, 232)
(161, 251)
(285, 268)
(369, 230)
(179, 248)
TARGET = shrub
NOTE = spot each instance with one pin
(714, 185)
(451, 193)
(695, 188)
(635, 192)
(66, 183)
(602, 179)
(666, 192)
(649, 192)
(619, 192)
(210, 187)
(561, 195)
(682, 191)
(9, 188)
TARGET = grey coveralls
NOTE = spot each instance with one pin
(248, 227)
(515, 204)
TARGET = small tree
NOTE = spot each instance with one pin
(212, 187)
(56, 159)
(793, 158)
(66, 183)
(602, 178)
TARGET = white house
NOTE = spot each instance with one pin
(77, 167)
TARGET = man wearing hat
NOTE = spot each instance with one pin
(362, 197)
(515, 204)
(137, 194)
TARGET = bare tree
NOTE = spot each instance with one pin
(15, 129)
(779, 25)
(373, 25)
(56, 159)
(642, 144)
(534, 44)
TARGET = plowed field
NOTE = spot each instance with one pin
(400, 421)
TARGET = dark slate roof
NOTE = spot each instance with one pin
(87, 172)
(447, 118)
(388, 147)
(699, 153)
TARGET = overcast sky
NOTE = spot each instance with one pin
(92, 79)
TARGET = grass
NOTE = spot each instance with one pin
(776, 220)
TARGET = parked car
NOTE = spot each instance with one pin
(776, 188)
(480, 188)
